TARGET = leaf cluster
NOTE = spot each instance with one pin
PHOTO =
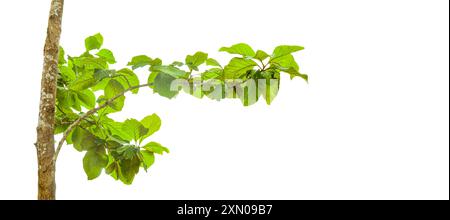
(87, 81)
(248, 76)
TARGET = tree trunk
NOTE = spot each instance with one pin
(45, 137)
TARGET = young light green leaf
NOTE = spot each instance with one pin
(238, 67)
(148, 159)
(177, 63)
(129, 79)
(241, 49)
(90, 63)
(193, 61)
(288, 65)
(212, 74)
(156, 62)
(171, 70)
(93, 163)
(140, 61)
(134, 129)
(284, 50)
(295, 73)
(285, 62)
(213, 62)
(151, 79)
(261, 55)
(107, 55)
(62, 56)
(301, 75)
(93, 42)
(115, 129)
(156, 148)
(152, 123)
(67, 74)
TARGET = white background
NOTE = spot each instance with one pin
(372, 124)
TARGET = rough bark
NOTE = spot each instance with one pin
(45, 130)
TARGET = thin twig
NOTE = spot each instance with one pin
(89, 113)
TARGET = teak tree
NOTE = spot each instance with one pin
(80, 92)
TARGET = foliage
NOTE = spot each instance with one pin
(121, 148)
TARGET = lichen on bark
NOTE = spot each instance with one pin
(45, 139)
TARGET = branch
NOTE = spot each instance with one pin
(89, 113)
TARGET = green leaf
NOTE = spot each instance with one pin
(100, 85)
(83, 140)
(212, 74)
(156, 62)
(241, 49)
(101, 74)
(193, 61)
(67, 73)
(127, 151)
(87, 98)
(285, 62)
(65, 99)
(171, 70)
(115, 128)
(261, 55)
(140, 61)
(151, 79)
(83, 82)
(113, 89)
(60, 128)
(93, 42)
(134, 129)
(107, 55)
(112, 144)
(61, 57)
(238, 67)
(128, 170)
(293, 72)
(129, 78)
(177, 63)
(301, 75)
(112, 170)
(148, 159)
(94, 162)
(213, 62)
(288, 65)
(152, 123)
(90, 63)
(156, 148)
(284, 50)
(162, 85)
